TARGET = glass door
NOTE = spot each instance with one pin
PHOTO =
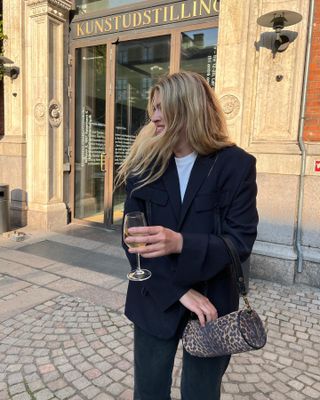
(102, 140)
(139, 63)
(90, 122)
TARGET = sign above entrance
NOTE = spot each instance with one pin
(145, 18)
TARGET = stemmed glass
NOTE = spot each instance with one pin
(131, 220)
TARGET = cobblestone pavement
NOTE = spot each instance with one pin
(63, 336)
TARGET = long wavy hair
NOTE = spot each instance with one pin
(189, 106)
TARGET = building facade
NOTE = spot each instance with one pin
(80, 97)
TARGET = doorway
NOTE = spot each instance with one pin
(112, 82)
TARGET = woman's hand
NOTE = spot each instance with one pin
(159, 241)
(200, 305)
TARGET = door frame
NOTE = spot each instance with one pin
(111, 41)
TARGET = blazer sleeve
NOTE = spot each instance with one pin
(173, 291)
(207, 251)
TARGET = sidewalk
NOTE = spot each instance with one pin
(63, 334)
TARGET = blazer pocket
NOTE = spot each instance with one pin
(156, 196)
(211, 201)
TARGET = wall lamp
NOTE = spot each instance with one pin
(12, 71)
(277, 20)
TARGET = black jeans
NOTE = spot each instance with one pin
(153, 364)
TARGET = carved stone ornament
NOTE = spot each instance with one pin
(63, 4)
(39, 112)
(55, 8)
(55, 114)
(230, 105)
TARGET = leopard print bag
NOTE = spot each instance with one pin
(233, 333)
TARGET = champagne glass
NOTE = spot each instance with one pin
(131, 220)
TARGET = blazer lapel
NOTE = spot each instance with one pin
(202, 168)
(171, 182)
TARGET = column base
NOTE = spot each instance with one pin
(47, 217)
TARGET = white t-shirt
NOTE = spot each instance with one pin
(184, 167)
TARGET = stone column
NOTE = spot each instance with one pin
(46, 84)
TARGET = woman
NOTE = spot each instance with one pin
(193, 184)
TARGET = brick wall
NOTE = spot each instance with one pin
(312, 120)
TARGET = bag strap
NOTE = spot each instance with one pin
(236, 263)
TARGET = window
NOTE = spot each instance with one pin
(87, 6)
(199, 53)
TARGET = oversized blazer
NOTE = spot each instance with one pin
(220, 198)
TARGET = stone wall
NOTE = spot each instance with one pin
(31, 151)
(1, 91)
(13, 143)
(261, 93)
(1, 109)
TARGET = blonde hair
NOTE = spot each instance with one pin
(188, 105)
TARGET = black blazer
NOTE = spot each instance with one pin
(220, 198)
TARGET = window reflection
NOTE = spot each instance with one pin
(87, 6)
(90, 133)
(139, 64)
(199, 53)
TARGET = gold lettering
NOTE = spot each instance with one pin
(89, 31)
(215, 5)
(206, 6)
(80, 31)
(137, 19)
(126, 24)
(172, 18)
(194, 10)
(147, 17)
(183, 16)
(165, 14)
(116, 19)
(108, 25)
(98, 25)
(156, 14)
